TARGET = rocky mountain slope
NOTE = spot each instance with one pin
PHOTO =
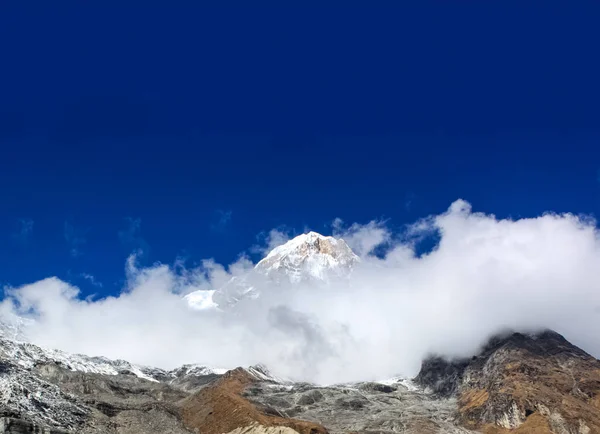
(518, 383)
(27, 356)
(393, 406)
(524, 383)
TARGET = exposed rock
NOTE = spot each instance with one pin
(540, 383)
(307, 398)
(260, 429)
(441, 376)
(221, 408)
(24, 395)
(522, 384)
(309, 256)
(377, 387)
(360, 408)
(16, 426)
(192, 377)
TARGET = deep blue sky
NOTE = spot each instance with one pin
(145, 127)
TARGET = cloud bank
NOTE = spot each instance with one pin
(484, 276)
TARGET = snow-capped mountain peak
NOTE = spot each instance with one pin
(309, 257)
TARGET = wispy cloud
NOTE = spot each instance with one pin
(24, 231)
(363, 239)
(267, 241)
(408, 201)
(131, 236)
(90, 278)
(75, 238)
(222, 220)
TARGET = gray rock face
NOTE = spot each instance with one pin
(440, 376)
(51, 396)
(517, 381)
(360, 408)
(539, 381)
(16, 426)
(50, 392)
(25, 395)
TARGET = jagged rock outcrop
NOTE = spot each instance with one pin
(531, 383)
(395, 406)
(24, 395)
(441, 376)
(222, 408)
(27, 355)
(49, 391)
(17, 426)
(44, 391)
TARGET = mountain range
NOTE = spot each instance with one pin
(518, 382)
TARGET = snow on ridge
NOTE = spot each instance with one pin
(332, 251)
(260, 372)
(296, 242)
(309, 255)
(28, 355)
(197, 370)
(409, 384)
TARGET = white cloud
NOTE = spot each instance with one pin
(222, 220)
(363, 239)
(485, 275)
(270, 240)
(75, 239)
(90, 278)
(131, 237)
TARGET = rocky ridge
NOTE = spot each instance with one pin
(518, 383)
(538, 383)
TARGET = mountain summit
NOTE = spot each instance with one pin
(309, 257)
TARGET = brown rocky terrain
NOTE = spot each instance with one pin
(519, 383)
(221, 408)
(524, 384)
(51, 399)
